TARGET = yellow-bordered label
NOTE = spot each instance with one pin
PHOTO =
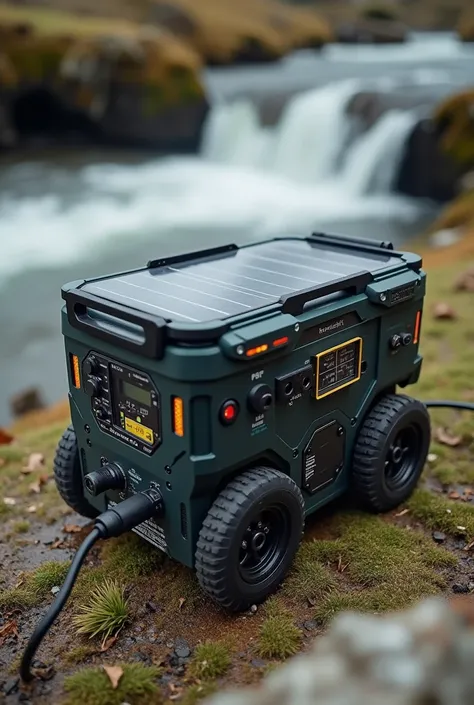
(139, 430)
(338, 367)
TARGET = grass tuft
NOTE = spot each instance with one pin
(210, 660)
(105, 613)
(78, 654)
(92, 686)
(49, 575)
(279, 637)
(442, 514)
(196, 693)
(21, 527)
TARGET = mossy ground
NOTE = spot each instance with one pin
(348, 560)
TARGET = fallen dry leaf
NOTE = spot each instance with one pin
(454, 495)
(402, 513)
(9, 629)
(469, 546)
(58, 544)
(35, 487)
(447, 438)
(182, 600)
(5, 437)
(35, 462)
(32, 508)
(466, 281)
(443, 311)
(9, 501)
(176, 691)
(72, 528)
(108, 643)
(114, 673)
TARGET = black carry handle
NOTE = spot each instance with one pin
(294, 303)
(142, 334)
(353, 242)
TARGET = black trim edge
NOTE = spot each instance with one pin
(198, 255)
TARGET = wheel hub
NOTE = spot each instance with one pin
(263, 544)
(402, 457)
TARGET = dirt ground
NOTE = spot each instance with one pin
(176, 646)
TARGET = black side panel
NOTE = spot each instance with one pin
(323, 457)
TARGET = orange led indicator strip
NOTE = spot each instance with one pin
(417, 328)
(178, 416)
(76, 376)
(280, 341)
(256, 351)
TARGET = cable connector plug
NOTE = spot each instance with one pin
(130, 513)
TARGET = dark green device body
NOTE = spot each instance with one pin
(195, 368)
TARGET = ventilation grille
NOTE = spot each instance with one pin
(184, 522)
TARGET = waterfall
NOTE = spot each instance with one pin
(371, 164)
(313, 143)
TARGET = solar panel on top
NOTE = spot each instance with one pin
(236, 283)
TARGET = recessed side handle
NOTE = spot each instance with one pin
(116, 324)
(295, 304)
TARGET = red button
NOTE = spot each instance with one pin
(229, 412)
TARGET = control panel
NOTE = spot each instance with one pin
(124, 402)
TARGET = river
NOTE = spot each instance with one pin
(65, 216)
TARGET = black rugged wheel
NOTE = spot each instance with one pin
(390, 452)
(249, 538)
(68, 475)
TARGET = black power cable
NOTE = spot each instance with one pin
(447, 404)
(113, 522)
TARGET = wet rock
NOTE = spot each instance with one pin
(258, 663)
(11, 686)
(137, 88)
(371, 31)
(173, 661)
(26, 401)
(182, 649)
(426, 171)
(55, 590)
(438, 536)
(309, 625)
(460, 589)
(180, 671)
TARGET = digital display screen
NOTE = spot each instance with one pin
(143, 396)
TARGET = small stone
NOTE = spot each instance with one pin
(181, 648)
(253, 609)
(257, 663)
(470, 586)
(173, 661)
(11, 686)
(309, 625)
(460, 589)
(180, 671)
(432, 457)
(151, 606)
(23, 698)
(55, 590)
(438, 536)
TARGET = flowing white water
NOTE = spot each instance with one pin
(253, 179)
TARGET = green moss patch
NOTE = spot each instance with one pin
(35, 586)
(309, 577)
(130, 557)
(381, 566)
(437, 512)
(92, 686)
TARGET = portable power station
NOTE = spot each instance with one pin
(245, 387)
